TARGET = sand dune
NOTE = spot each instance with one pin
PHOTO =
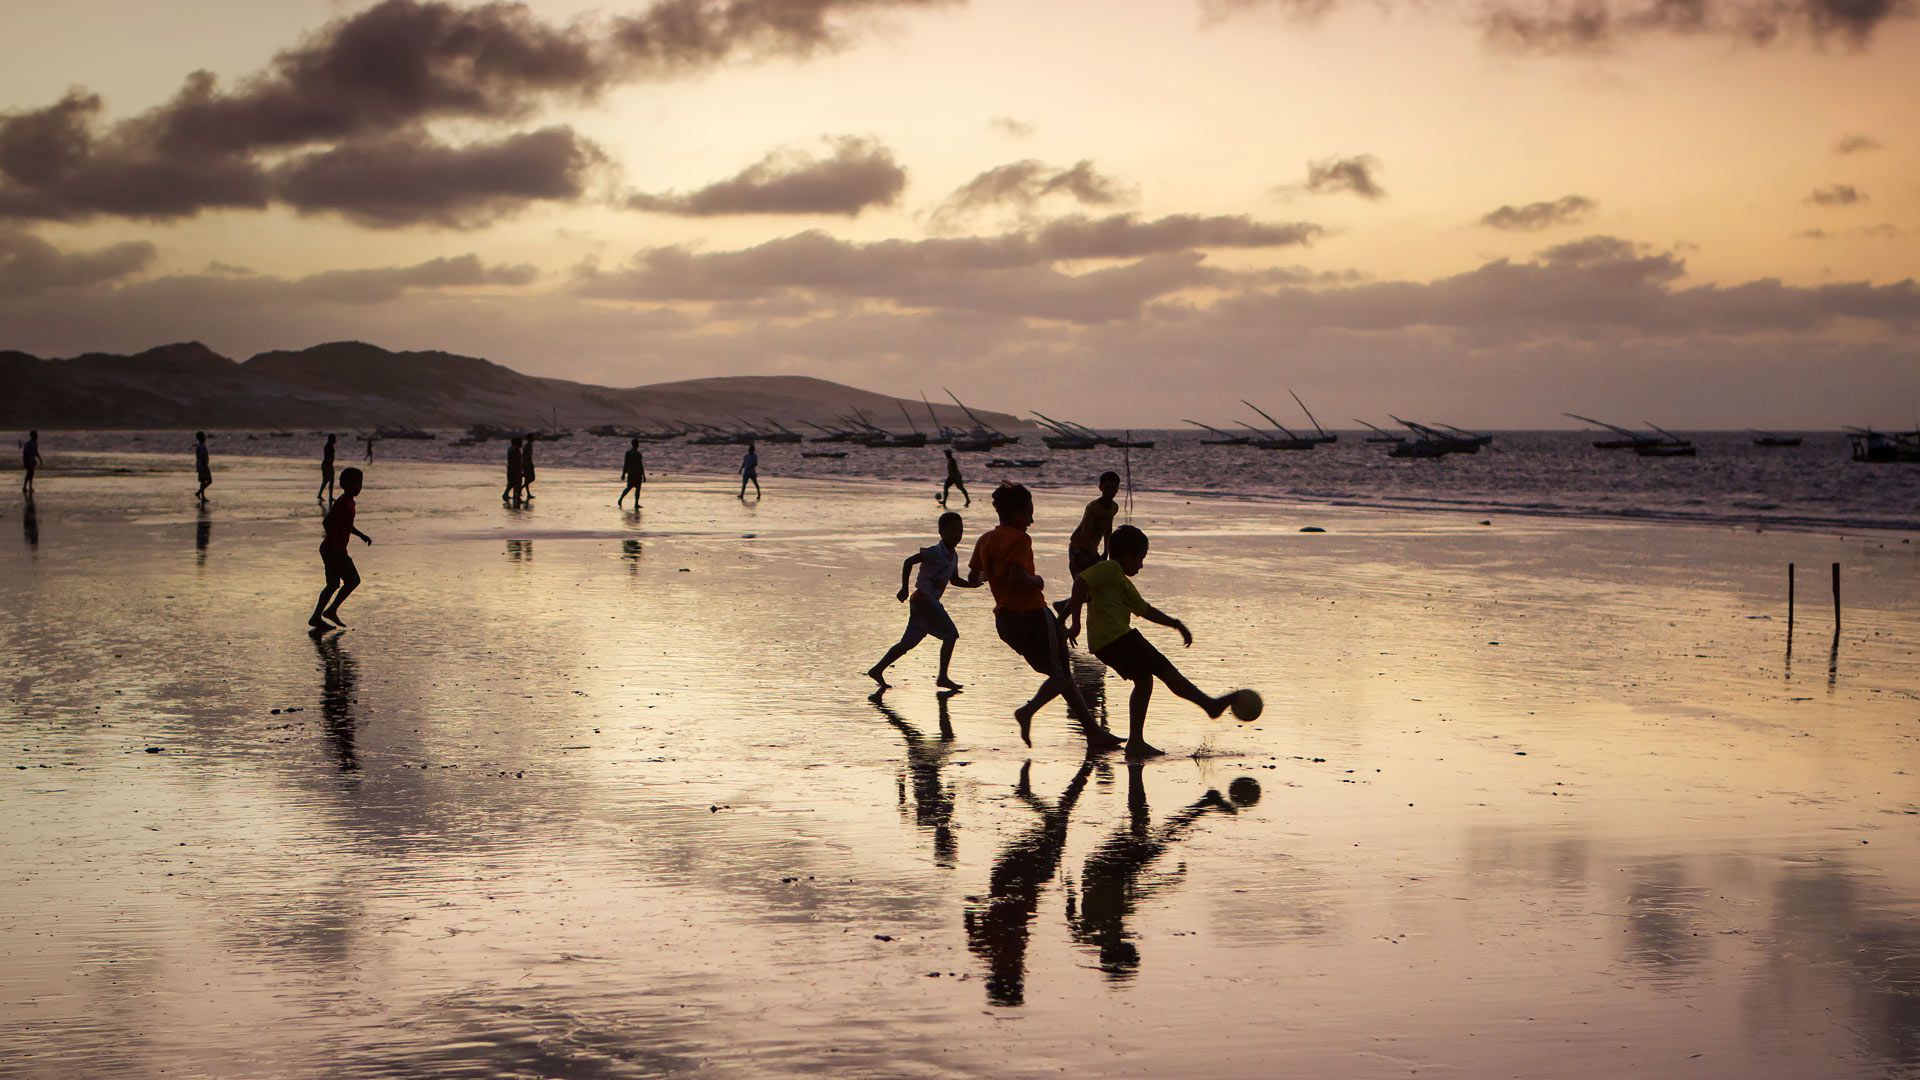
(354, 384)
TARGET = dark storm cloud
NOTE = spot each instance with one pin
(376, 79)
(1534, 217)
(1856, 144)
(30, 265)
(859, 173)
(1021, 185)
(411, 181)
(1590, 25)
(1836, 195)
(1013, 273)
(1336, 174)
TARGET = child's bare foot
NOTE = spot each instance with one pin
(1140, 748)
(945, 683)
(1219, 705)
(333, 617)
(318, 625)
(1024, 717)
(1102, 739)
(874, 674)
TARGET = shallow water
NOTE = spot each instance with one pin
(1539, 473)
(585, 793)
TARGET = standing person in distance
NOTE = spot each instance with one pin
(1003, 558)
(29, 460)
(325, 493)
(953, 480)
(342, 575)
(750, 471)
(634, 472)
(201, 466)
(512, 490)
(1088, 543)
(526, 467)
(939, 567)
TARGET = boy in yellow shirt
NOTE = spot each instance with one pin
(1111, 599)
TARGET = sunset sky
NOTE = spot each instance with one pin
(1693, 212)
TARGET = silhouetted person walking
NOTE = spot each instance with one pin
(512, 490)
(342, 576)
(325, 494)
(750, 471)
(953, 480)
(30, 460)
(370, 440)
(1003, 558)
(201, 465)
(634, 471)
(526, 468)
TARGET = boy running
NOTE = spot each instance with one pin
(341, 574)
(939, 567)
(634, 471)
(1003, 558)
(1111, 597)
(750, 471)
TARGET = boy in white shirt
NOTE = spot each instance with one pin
(939, 567)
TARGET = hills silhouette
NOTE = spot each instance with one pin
(354, 384)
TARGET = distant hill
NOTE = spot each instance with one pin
(350, 384)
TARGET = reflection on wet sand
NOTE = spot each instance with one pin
(30, 521)
(1110, 882)
(997, 928)
(519, 551)
(630, 554)
(339, 680)
(932, 799)
(202, 534)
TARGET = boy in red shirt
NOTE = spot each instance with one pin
(1003, 558)
(341, 574)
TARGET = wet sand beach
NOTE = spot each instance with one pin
(590, 793)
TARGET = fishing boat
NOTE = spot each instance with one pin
(1221, 438)
(1066, 437)
(1885, 447)
(781, 433)
(1628, 440)
(823, 453)
(1381, 435)
(1454, 441)
(1016, 463)
(1264, 441)
(1419, 448)
(982, 431)
(1768, 438)
(1671, 446)
(1323, 435)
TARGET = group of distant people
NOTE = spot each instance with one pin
(1102, 561)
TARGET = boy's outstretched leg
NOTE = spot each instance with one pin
(317, 621)
(1024, 714)
(1184, 687)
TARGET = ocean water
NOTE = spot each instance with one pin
(1558, 473)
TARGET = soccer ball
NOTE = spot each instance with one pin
(1246, 705)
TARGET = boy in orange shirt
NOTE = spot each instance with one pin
(1003, 558)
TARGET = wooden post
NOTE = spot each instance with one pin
(1836, 598)
(1789, 609)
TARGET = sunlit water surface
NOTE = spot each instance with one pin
(588, 793)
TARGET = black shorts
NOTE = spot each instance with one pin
(206, 476)
(339, 566)
(1036, 636)
(1133, 657)
(1079, 559)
